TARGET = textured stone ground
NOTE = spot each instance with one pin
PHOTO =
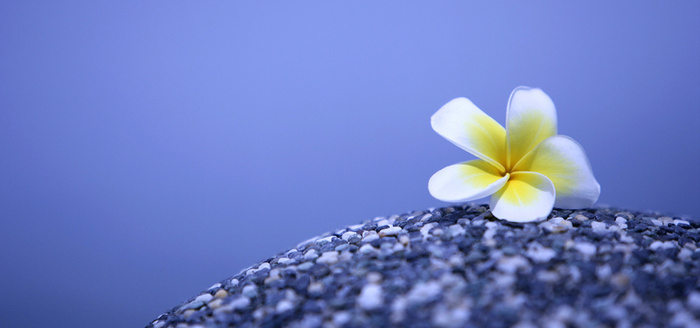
(460, 266)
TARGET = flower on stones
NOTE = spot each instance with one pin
(526, 168)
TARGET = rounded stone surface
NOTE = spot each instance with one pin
(460, 266)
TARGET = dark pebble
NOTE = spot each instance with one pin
(319, 270)
(369, 226)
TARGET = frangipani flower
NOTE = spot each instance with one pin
(526, 168)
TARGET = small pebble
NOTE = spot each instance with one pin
(341, 318)
(393, 231)
(370, 237)
(370, 298)
(540, 254)
(310, 255)
(204, 298)
(221, 293)
(598, 226)
(694, 300)
(284, 306)
(250, 291)
(586, 249)
(367, 248)
(328, 258)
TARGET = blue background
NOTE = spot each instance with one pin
(149, 149)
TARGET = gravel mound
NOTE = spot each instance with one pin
(459, 266)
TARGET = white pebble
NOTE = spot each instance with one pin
(345, 257)
(598, 226)
(284, 306)
(370, 297)
(423, 292)
(374, 277)
(478, 222)
(621, 222)
(274, 274)
(425, 230)
(450, 318)
(574, 273)
(393, 231)
(624, 238)
(310, 255)
(556, 220)
(679, 221)
(683, 319)
(356, 227)
(398, 309)
(511, 264)
(586, 249)
(259, 313)
(546, 225)
(685, 254)
(369, 237)
(547, 276)
(503, 281)
(341, 318)
(539, 253)
(262, 266)
(383, 222)
(603, 272)
(426, 217)
(205, 298)
(238, 303)
(456, 230)
(581, 217)
(315, 288)
(661, 244)
(694, 300)
(329, 258)
(346, 236)
(456, 260)
(489, 233)
(556, 225)
(563, 226)
(284, 260)
(250, 291)
(393, 218)
(367, 248)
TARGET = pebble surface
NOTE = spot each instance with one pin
(461, 267)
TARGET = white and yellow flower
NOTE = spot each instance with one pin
(526, 168)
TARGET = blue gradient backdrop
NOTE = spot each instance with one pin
(149, 149)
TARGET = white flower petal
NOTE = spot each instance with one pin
(466, 126)
(564, 161)
(466, 181)
(531, 118)
(527, 196)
